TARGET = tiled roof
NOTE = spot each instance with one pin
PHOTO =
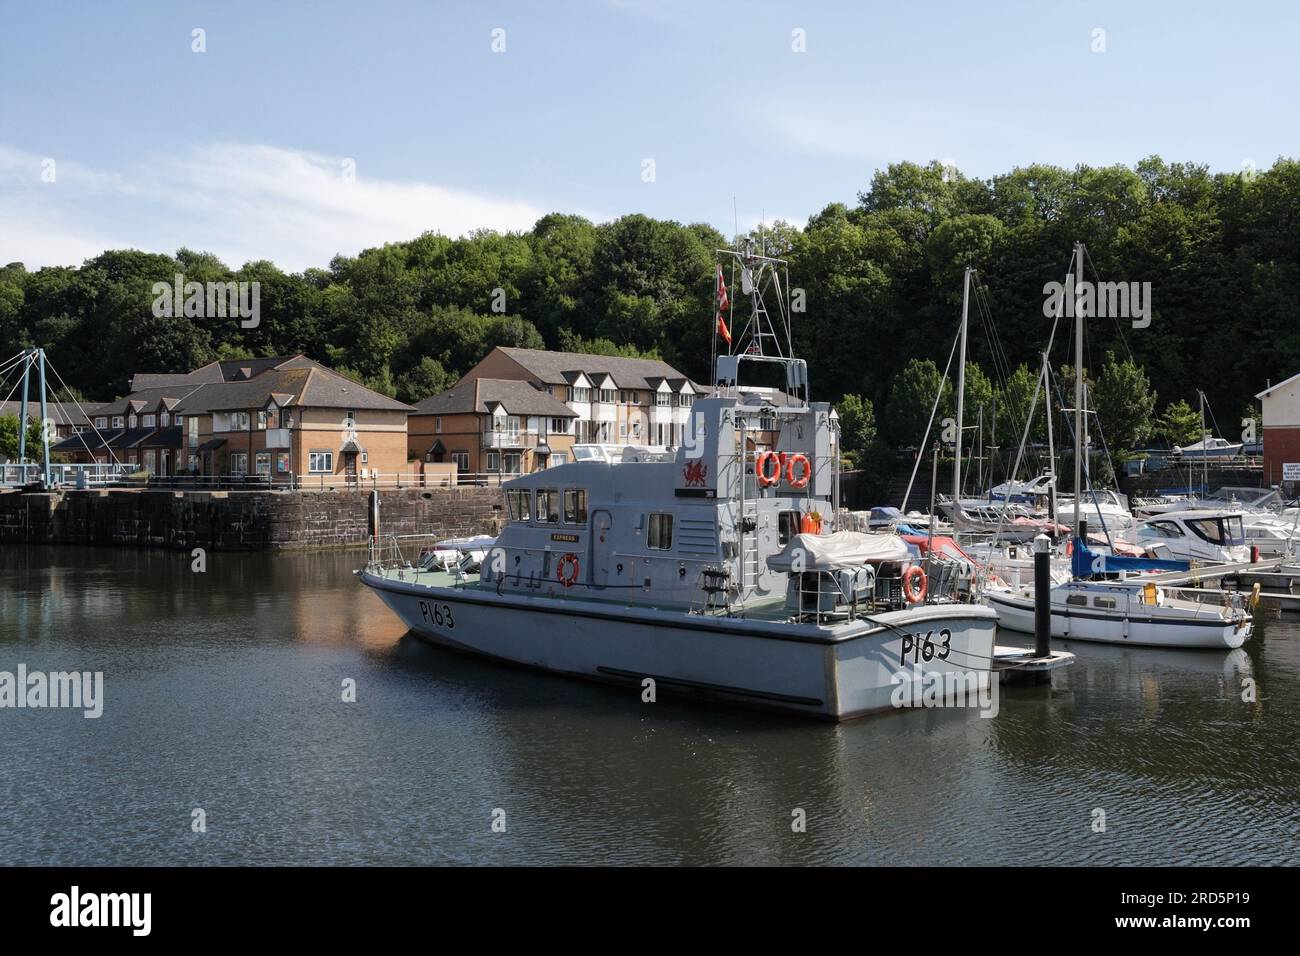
(550, 367)
(63, 413)
(518, 398)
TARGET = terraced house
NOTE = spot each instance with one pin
(486, 423)
(287, 419)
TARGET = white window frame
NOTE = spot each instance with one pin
(318, 457)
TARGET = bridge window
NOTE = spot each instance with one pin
(575, 506)
(548, 506)
(1077, 600)
(659, 533)
(520, 505)
(787, 526)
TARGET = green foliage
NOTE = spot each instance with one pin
(857, 424)
(1180, 424)
(881, 277)
(9, 438)
(1125, 404)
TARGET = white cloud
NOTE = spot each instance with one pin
(240, 201)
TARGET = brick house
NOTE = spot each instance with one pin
(614, 400)
(290, 419)
(1281, 416)
(492, 426)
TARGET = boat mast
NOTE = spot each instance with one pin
(1078, 395)
(961, 390)
(1051, 447)
(1205, 450)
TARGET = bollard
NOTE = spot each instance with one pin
(1042, 596)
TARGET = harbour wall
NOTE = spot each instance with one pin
(243, 520)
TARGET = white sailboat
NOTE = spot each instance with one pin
(1123, 611)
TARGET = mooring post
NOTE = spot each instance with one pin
(1042, 595)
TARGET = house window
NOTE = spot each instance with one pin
(559, 426)
(437, 424)
(261, 420)
(581, 394)
(150, 461)
(607, 396)
(548, 506)
(117, 421)
(511, 462)
(663, 399)
(575, 506)
(272, 416)
(494, 461)
(262, 463)
(520, 505)
(320, 462)
(659, 533)
(686, 400)
(133, 420)
(622, 432)
(165, 419)
(239, 463)
(180, 420)
(559, 458)
(461, 459)
(149, 421)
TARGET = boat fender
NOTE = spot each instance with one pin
(567, 570)
(767, 478)
(915, 584)
(805, 470)
(1254, 596)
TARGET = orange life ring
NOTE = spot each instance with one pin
(567, 561)
(802, 460)
(915, 595)
(766, 478)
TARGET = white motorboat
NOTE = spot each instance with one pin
(1206, 535)
(702, 572)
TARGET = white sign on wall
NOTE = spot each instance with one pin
(1291, 471)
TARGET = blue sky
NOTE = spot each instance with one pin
(242, 150)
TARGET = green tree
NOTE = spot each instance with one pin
(1125, 404)
(1180, 424)
(912, 398)
(857, 425)
(9, 438)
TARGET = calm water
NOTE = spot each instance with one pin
(223, 692)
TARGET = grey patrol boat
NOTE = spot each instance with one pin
(714, 569)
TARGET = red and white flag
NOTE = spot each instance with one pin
(724, 305)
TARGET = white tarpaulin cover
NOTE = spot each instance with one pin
(843, 549)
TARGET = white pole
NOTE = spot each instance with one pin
(961, 391)
(1078, 395)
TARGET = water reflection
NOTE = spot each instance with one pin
(224, 692)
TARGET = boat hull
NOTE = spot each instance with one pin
(833, 673)
(1016, 613)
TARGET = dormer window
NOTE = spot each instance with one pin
(164, 419)
(149, 421)
(607, 396)
(132, 421)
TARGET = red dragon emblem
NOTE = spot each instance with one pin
(695, 474)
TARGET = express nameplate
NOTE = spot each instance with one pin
(567, 538)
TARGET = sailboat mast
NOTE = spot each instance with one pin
(961, 390)
(1205, 449)
(1051, 447)
(1078, 394)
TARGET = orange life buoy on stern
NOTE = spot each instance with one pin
(914, 594)
(805, 468)
(568, 562)
(767, 478)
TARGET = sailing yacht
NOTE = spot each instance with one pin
(716, 569)
(1102, 602)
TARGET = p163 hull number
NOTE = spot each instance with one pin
(438, 615)
(927, 647)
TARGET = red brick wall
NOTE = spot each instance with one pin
(1280, 445)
